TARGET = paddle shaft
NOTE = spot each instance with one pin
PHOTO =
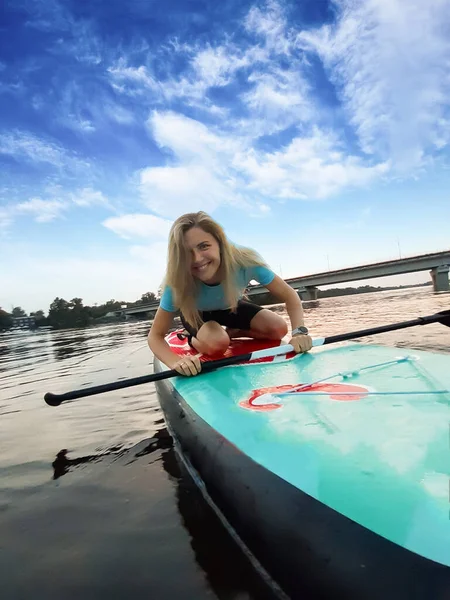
(56, 399)
(384, 328)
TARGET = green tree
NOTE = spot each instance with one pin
(39, 318)
(64, 314)
(5, 320)
(18, 311)
(100, 310)
(58, 314)
(38, 315)
(79, 314)
(147, 298)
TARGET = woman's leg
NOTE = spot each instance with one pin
(264, 325)
(211, 339)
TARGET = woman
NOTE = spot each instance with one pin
(205, 280)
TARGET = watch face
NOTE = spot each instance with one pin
(301, 330)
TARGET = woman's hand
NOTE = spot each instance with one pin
(301, 343)
(188, 365)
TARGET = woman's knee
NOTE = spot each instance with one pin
(278, 330)
(214, 339)
(271, 325)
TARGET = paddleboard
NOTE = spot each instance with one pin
(363, 430)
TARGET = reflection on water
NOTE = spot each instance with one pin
(61, 464)
(108, 461)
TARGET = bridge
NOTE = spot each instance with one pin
(437, 264)
(306, 286)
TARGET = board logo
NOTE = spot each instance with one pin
(272, 398)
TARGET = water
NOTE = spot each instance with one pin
(116, 516)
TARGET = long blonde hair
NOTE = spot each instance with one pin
(185, 287)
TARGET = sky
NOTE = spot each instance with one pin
(316, 132)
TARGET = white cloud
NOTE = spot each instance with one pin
(78, 40)
(279, 98)
(43, 211)
(309, 167)
(26, 146)
(138, 225)
(189, 139)
(203, 177)
(270, 24)
(85, 46)
(171, 191)
(216, 66)
(117, 113)
(133, 80)
(208, 67)
(15, 88)
(74, 109)
(88, 197)
(213, 169)
(86, 111)
(53, 206)
(191, 87)
(389, 62)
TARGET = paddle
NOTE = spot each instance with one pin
(56, 399)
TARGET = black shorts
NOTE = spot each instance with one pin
(240, 319)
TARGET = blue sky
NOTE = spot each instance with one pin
(316, 132)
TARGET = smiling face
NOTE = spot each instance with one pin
(204, 252)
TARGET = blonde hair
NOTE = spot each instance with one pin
(185, 287)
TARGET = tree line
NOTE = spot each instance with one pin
(64, 314)
(71, 313)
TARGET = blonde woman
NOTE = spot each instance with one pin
(205, 280)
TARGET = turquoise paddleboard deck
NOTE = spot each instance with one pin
(332, 467)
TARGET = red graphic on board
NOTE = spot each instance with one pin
(355, 392)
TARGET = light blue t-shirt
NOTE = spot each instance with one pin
(212, 297)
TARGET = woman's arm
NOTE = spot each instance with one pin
(187, 365)
(283, 291)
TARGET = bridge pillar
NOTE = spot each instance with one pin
(439, 276)
(307, 293)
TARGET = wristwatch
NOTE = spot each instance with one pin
(300, 330)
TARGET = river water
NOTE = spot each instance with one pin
(116, 516)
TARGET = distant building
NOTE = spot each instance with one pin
(23, 322)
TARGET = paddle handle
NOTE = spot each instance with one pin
(56, 399)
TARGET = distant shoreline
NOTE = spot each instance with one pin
(365, 289)
(329, 293)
